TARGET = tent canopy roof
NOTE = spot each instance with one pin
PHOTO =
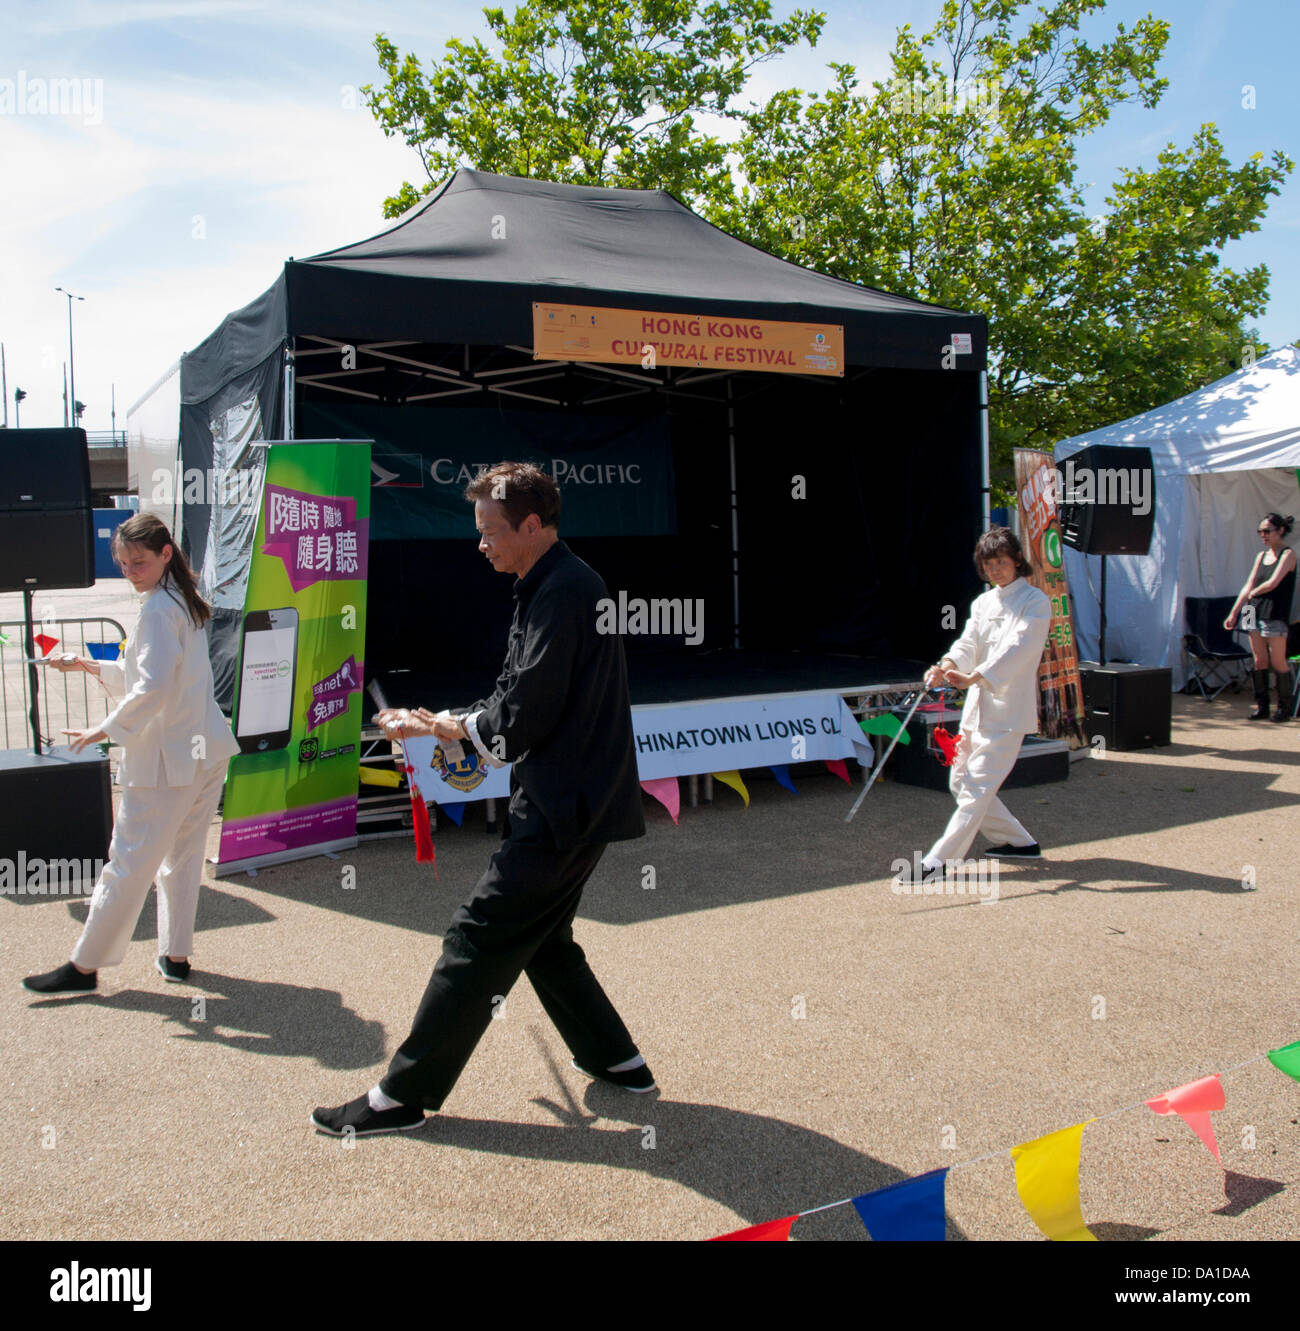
(465, 265)
(1248, 420)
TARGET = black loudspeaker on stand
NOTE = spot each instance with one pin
(46, 525)
(1103, 487)
(55, 808)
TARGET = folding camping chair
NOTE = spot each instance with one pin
(1215, 655)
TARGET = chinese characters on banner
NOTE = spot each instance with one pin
(1060, 690)
(317, 537)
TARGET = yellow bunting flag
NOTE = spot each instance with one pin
(1047, 1179)
(733, 780)
(379, 776)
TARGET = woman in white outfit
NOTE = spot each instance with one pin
(175, 747)
(996, 659)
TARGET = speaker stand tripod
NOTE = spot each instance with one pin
(29, 644)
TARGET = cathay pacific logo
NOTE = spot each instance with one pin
(103, 1284)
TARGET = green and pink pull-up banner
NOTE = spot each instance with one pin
(292, 789)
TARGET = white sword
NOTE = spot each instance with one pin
(880, 766)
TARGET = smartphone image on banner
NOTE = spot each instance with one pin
(268, 662)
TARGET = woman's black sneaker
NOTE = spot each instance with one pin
(66, 980)
(175, 971)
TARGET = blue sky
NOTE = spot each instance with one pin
(218, 137)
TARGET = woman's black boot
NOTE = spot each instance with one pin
(1261, 695)
(1283, 712)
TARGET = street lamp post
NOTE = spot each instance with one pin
(72, 369)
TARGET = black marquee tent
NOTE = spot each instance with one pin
(818, 521)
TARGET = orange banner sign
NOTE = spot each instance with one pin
(648, 339)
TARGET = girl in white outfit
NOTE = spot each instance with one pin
(175, 747)
(996, 659)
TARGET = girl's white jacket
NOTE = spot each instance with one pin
(168, 724)
(1003, 641)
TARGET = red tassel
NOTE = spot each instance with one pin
(948, 744)
(424, 852)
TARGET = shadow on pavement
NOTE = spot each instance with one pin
(256, 1017)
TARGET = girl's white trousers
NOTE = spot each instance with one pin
(160, 835)
(983, 763)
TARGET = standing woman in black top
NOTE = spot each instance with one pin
(1269, 591)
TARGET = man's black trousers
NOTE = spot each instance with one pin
(519, 918)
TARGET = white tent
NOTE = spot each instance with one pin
(1224, 456)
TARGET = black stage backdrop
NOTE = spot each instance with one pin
(854, 517)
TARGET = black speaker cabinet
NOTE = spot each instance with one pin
(1101, 486)
(46, 522)
(915, 764)
(58, 807)
(1129, 706)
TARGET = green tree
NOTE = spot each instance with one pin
(591, 92)
(954, 182)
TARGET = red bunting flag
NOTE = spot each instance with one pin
(1194, 1103)
(837, 766)
(45, 643)
(775, 1231)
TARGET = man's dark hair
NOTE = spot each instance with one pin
(998, 541)
(520, 488)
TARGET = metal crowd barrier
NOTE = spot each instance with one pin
(72, 701)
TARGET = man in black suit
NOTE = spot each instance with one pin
(560, 715)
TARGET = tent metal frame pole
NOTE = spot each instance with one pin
(985, 473)
(735, 518)
(289, 385)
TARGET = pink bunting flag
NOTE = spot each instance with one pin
(837, 766)
(773, 1231)
(1194, 1103)
(666, 790)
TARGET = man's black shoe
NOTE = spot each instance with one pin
(1030, 852)
(639, 1079)
(66, 980)
(363, 1121)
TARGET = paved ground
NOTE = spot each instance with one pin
(936, 1030)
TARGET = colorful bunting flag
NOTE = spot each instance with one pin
(666, 790)
(1287, 1059)
(774, 1231)
(454, 811)
(104, 651)
(733, 780)
(885, 723)
(1193, 1103)
(838, 766)
(45, 643)
(1047, 1179)
(782, 775)
(908, 1211)
(1047, 1168)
